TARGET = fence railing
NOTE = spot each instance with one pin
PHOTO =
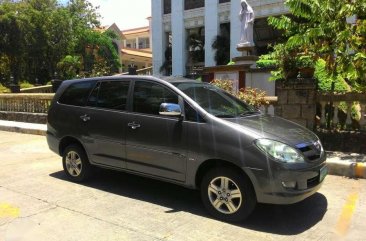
(145, 71)
(38, 89)
(32, 103)
(39, 103)
(342, 111)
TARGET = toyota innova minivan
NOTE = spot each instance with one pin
(185, 132)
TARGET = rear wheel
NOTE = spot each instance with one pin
(227, 194)
(76, 164)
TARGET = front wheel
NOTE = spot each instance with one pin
(227, 194)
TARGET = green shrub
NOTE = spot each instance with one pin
(3, 89)
(325, 80)
(252, 96)
(305, 61)
(25, 84)
(266, 63)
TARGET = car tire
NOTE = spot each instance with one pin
(76, 164)
(227, 194)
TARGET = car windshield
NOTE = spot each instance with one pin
(216, 101)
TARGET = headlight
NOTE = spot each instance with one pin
(318, 145)
(280, 151)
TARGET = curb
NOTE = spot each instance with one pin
(25, 128)
(346, 168)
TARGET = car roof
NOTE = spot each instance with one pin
(170, 79)
(173, 79)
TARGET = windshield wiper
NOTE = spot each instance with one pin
(224, 116)
(249, 112)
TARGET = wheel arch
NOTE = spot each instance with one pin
(68, 140)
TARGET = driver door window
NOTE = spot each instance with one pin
(148, 97)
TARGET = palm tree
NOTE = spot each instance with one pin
(221, 44)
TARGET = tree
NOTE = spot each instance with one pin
(39, 36)
(196, 44)
(69, 67)
(319, 28)
(11, 44)
(47, 38)
(221, 44)
(97, 49)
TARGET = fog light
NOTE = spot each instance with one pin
(289, 184)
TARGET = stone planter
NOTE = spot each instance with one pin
(306, 72)
(291, 74)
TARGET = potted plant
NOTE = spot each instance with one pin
(284, 59)
(264, 63)
(306, 66)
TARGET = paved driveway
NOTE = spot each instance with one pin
(38, 203)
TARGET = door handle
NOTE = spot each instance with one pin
(134, 125)
(85, 118)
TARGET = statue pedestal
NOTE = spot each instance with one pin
(247, 57)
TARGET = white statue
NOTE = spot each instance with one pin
(246, 17)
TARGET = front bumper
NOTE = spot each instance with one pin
(289, 184)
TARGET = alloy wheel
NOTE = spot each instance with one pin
(73, 163)
(225, 195)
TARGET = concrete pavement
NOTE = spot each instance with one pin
(37, 202)
(351, 165)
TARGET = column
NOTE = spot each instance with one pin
(212, 26)
(150, 32)
(158, 44)
(178, 39)
(137, 43)
(235, 26)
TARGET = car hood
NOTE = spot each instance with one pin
(275, 127)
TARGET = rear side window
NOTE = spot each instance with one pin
(76, 94)
(110, 95)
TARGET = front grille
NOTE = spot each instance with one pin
(312, 182)
(312, 151)
(313, 157)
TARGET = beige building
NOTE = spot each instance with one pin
(133, 46)
(136, 48)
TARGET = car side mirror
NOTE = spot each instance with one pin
(170, 109)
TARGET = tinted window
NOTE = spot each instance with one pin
(216, 101)
(191, 114)
(76, 94)
(110, 95)
(147, 97)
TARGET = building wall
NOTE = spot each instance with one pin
(139, 40)
(260, 81)
(194, 16)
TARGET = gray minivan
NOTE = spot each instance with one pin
(188, 133)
